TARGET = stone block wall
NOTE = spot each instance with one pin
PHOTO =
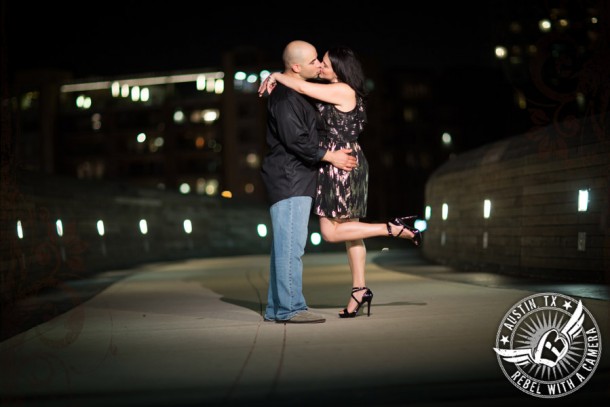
(535, 226)
(36, 256)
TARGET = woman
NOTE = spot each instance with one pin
(341, 196)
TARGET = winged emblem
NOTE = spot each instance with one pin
(552, 346)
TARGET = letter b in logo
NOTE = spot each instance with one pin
(551, 348)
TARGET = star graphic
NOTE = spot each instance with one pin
(567, 305)
(504, 339)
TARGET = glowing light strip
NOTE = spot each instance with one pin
(155, 80)
(81, 87)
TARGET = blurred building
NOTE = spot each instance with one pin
(555, 56)
(202, 131)
(197, 131)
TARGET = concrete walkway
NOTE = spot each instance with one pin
(191, 334)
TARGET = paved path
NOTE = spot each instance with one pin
(191, 334)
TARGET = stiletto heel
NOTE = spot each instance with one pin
(416, 239)
(366, 297)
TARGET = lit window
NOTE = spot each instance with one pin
(135, 93)
(144, 95)
(83, 102)
(263, 74)
(201, 82)
(19, 230)
(428, 212)
(219, 86)
(27, 100)
(200, 185)
(100, 228)
(210, 85)
(115, 89)
(501, 52)
(445, 211)
(188, 226)
(582, 241)
(253, 160)
(210, 115)
(583, 200)
(195, 116)
(96, 121)
(486, 208)
(420, 225)
(211, 187)
(143, 226)
(185, 188)
(544, 25)
(179, 116)
(315, 238)
(446, 138)
(409, 114)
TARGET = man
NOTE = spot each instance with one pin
(289, 173)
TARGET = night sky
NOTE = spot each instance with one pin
(129, 37)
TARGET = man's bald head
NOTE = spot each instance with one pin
(300, 58)
(298, 52)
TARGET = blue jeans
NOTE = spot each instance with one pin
(289, 219)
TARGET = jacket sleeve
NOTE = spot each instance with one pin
(298, 132)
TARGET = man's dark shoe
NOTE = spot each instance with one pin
(304, 317)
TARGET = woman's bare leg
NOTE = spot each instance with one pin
(356, 256)
(352, 232)
(334, 231)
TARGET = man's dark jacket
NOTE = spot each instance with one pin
(293, 127)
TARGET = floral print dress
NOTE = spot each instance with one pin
(342, 194)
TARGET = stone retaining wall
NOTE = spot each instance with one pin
(535, 226)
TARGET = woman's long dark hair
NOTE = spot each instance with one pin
(348, 68)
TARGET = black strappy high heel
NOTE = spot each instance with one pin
(416, 239)
(367, 297)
